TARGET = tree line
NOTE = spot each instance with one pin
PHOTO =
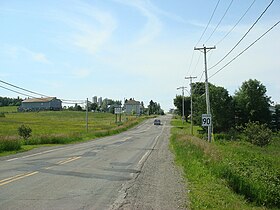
(248, 104)
(5, 101)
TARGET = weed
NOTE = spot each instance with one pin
(228, 174)
(9, 143)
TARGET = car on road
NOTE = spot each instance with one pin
(157, 122)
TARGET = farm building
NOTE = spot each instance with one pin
(131, 106)
(37, 104)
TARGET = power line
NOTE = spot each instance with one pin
(208, 22)
(243, 36)
(203, 34)
(16, 91)
(236, 23)
(197, 62)
(15, 86)
(245, 49)
(219, 22)
(22, 88)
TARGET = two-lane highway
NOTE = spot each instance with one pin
(91, 175)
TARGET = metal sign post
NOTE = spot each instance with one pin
(207, 122)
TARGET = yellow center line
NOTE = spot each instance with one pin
(69, 160)
(15, 178)
(21, 176)
(127, 138)
(12, 177)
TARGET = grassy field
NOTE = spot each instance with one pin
(227, 174)
(6, 109)
(62, 126)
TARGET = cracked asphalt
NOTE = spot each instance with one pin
(131, 170)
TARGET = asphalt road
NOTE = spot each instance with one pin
(132, 170)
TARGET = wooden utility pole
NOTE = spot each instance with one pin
(87, 114)
(205, 50)
(183, 103)
(190, 78)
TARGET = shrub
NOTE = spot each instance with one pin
(9, 144)
(24, 132)
(2, 114)
(257, 134)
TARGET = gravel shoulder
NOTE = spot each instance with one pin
(160, 183)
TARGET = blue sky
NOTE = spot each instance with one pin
(76, 49)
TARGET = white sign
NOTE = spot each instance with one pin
(118, 110)
(206, 120)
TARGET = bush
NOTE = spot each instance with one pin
(9, 144)
(2, 114)
(257, 134)
(24, 132)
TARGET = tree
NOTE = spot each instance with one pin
(221, 105)
(187, 105)
(251, 103)
(4, 101)
(275, 122)
(257, 134)
(93, 106)
(221, 109)
(24, 132)
(154, 108)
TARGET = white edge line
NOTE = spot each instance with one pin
(40, 153)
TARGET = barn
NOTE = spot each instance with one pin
(38, 104)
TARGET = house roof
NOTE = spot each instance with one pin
(33, 100)
(132, 102)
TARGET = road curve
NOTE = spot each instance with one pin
(131, 170)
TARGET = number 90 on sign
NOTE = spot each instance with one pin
(206, 120)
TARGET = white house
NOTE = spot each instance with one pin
(132, 107)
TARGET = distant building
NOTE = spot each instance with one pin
(94, 99)
(132, 107)
(100, 101)
(37, 104)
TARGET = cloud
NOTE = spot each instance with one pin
(35, 56)
(153, 24)
(91, 27)
(40, 57)
(15, 52)
(81, 73)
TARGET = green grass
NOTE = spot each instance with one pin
(227, 174)
(7, 109)
(63, 127)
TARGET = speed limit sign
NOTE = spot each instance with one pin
(206, 120)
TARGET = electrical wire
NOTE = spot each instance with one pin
(30, 96)
(23, 89)
(219, 21)
(208, 22)
(16, 91)
(245, 49)
(198, 61)
(236, 23)
(203, 34)
(243, 36)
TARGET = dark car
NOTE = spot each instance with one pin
(157, 122)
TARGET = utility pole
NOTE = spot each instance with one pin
(190, 78)
(183, 103)
(205, 50)
(87, 114)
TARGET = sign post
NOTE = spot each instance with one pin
(118, 110)
(206, 120)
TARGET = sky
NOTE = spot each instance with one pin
(141, 49)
